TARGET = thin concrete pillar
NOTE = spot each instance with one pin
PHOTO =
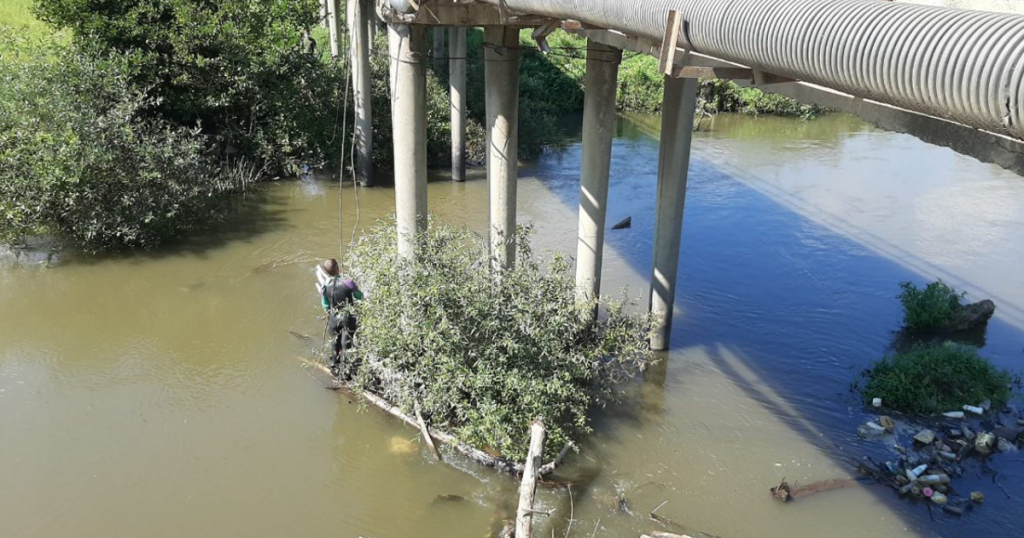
(334, 26)
(323, 13)
(598, 132)
(457, 94)
(359, 52)
(409, 131)
(673, 164)
(501, 91)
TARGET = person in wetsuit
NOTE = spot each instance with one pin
(337, 296)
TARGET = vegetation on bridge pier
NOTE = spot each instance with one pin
(481, 356)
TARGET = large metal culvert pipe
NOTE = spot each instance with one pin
(962, 65)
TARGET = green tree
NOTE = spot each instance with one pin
(237, 70)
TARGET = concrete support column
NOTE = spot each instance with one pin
(501, 91)
(409, 131)
(371, 19)
(323, 13)
(598, 131)
(457, 93)
(673, 164)
(334, 25)
(359, 52)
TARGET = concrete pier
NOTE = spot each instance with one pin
(457, 93)
(598, 132)
(359, 52)
(673, 165)
(333, 25)
(501, 91)
(409, 130)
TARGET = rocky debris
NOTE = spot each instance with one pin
(925, 437)
(971, 315)
(977, 497)
(1003, 445)
(32, 250)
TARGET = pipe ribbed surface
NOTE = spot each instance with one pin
(967, 66)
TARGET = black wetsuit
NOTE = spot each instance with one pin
(341, 322)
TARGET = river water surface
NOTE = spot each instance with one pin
(161, 394)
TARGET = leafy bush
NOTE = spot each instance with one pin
(727, 96)
(78, 158)
(929, 309)
(235, 69)
(935, 378)
(483, 356)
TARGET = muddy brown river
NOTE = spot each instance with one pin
(161, 394)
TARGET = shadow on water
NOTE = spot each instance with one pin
(241, 218)
(786, 307)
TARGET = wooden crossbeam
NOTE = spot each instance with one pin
(670, 42)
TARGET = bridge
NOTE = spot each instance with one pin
(952, 77)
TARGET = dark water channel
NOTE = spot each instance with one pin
(160, 394)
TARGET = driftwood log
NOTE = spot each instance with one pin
(474, 454)
(528, 486)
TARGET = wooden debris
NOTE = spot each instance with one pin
(784, 492)
(528, 486)
(426, 434)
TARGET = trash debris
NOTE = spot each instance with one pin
(974, 409)
(876, 402)
(954, 432)
(870, 430)
(968, 434)
(953, 510)
(912, 474)
(977, 497)
(954, 414)
(983, 443)
(624, 223)
(888, 423)
(925, 437)
(938, 498)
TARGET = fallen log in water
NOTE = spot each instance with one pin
(528, 486)
(784, 492)
(474, 454)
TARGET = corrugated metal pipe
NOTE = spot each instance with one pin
(963, 65)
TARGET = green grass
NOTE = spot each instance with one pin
(17, 14)
(928, 309)
(935, 378)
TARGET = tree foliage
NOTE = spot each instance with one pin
(237, 70)
(78, 158)
(484, 356)
(930, 309)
